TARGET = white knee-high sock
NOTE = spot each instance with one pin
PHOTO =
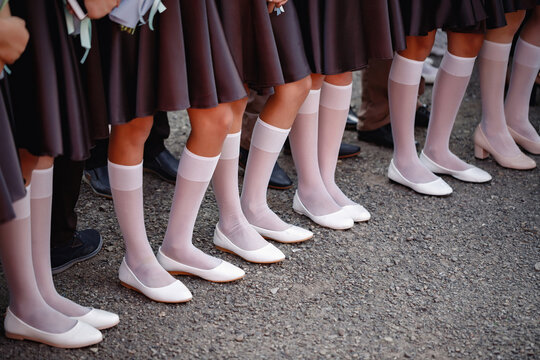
(194, 174)
(266, 144)
(493, 61)
(232, 221)
(25, 300)
(524, 71)
(304, 138)
(127, 191)
(403, 85)
(448, 91)
(41, 203)
(333, 112)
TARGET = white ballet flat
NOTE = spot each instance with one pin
(473, 175)
(172, 293)
(293, 234)
(266, 255)
(80, 335)
(339, 220)
(100, 319)
(357, 212)
(436, 187)
(224, 272)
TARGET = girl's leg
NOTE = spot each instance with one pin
(209, 128)
(41, 202)
(524, 71)
(232, 222)
(268, 137)
(403, 83)
(304, 138)
(334, 106)
(493, 61)
(25, 300)
(126, 177)
(448, 91)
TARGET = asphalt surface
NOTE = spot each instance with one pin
(427, 277)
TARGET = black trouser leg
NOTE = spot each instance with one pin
(66, 186)
(155, 143)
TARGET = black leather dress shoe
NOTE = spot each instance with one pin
(278, 180)
(381, 136)
(352, 120)
(98, 179)
(85, 244)
(164, 165)
(348, 150)
(421, 118)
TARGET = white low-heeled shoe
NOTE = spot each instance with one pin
(357, 212)
(473, 175)
(172, 293)
(266, 255)
(291, 235)
(100, 319)
(339, 220)
(436, 187)
(80, 335)
(224, 272)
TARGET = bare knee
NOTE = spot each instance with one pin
(418, 47)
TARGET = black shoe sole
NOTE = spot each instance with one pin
(105, 195)
(151, 171)
(349, 155)
(59, 269)
(280, 187)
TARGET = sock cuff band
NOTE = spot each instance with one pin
(267, 137)
(527, 54)
(336, 97)
(457, 65)
(21, 207)
(198, 168)
(495, 51)
(231, 147)
(42, 183)
(125, 177)
(311, 104)
(406, 71)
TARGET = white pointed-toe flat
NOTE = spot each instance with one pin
(339, 220)
(100, 319)
(436, 187)
(224, 272)
(473, 175)
(80, 335)
(357, 212)
(266, 255)
(291, 235)
(172, 293)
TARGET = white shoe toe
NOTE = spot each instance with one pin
(293, 234)
(357, 212)
(100, 319)
(224, 272)
(175, 292)
(265, 255)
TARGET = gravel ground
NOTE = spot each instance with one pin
(427, 277)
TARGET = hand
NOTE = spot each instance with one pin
(13, 39)
(99, 8)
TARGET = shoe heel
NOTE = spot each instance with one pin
(14, 336)
(479, 152)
